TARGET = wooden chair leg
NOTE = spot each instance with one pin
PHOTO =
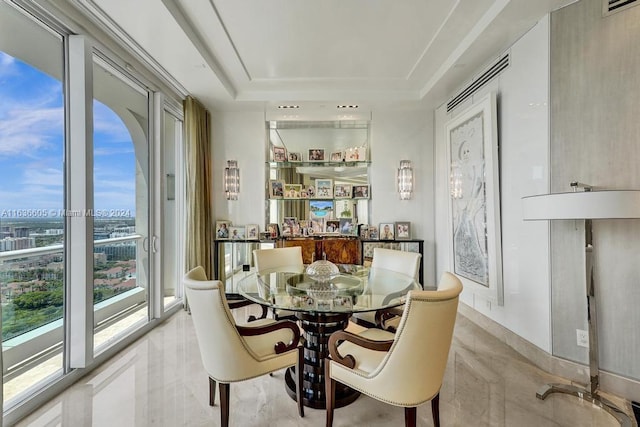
(212, 391)
(300, 381)
(435, 410)
(224, 405)
(410, 417)
(330, 392)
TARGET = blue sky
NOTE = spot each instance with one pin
(31, 145)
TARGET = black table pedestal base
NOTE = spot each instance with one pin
(317, 328)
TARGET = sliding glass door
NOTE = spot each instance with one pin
(121, 185)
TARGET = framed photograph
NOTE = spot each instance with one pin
(403, 230)
(276, 189)
(343, 208)
(474, 199)
(347, 226)
(342, 191)
(373, 233)
(273, 230)
(337, 156)
(324, 189)
(292, 191)
(321, 209)
(363, 231)
(237, 232)
(295, 157)
(360, 191)
(311, 191)
(355, 154)
(290, 226)
(332, 226)
(252, 232)
(316, 155)
(303, 227)
(386, 231)
(222, 230)
(316, 225)
(279, 154)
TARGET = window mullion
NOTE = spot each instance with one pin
(78, 204)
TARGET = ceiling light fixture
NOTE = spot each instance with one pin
(286, 107)
(346, 106)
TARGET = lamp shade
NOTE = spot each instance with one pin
(607, 204)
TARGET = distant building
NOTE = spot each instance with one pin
(99, 258)
(17, 243)
(20, 231)
(118, 252)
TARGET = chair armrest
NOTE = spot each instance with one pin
(238, 303)
(280, 347)
(349, 361)
(388, 313)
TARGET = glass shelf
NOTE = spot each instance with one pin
(277, 165)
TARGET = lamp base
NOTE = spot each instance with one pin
(584, 394)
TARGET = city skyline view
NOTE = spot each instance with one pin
(31, 148)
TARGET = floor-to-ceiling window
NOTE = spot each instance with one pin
(32, 236)
(79, 198)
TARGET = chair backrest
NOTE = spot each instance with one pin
(225, 356)
(399, 261)
(418, 357)
(279, 259)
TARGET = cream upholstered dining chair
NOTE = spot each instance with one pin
(232, 352)
(407, 263)
(279, 260)
(405, 369)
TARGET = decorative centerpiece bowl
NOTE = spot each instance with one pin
(322, 272)
(322, 291)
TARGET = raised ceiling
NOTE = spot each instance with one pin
(235, 54)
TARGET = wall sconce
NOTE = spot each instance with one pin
(232, 180)
(405, 179)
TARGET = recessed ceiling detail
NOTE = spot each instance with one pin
(272, 52)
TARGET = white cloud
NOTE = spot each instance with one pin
(44, 177)
(25, 130)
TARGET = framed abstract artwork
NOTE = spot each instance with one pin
(474, 199)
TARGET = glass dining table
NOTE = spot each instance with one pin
(323, 306)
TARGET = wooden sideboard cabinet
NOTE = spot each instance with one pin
(339, 250)
(234, 258)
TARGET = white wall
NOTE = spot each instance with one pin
(239, 136)
(404, 135)
(523, 133)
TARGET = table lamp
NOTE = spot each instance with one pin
(585, 205)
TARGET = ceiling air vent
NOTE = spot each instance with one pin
(612, 6)
(479, 82)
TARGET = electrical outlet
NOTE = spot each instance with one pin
(582, 338)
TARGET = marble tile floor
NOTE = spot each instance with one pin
(159, 381)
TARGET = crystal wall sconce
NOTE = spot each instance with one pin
(405, 179)
(232, 180)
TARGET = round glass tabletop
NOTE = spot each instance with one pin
(354, 289)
